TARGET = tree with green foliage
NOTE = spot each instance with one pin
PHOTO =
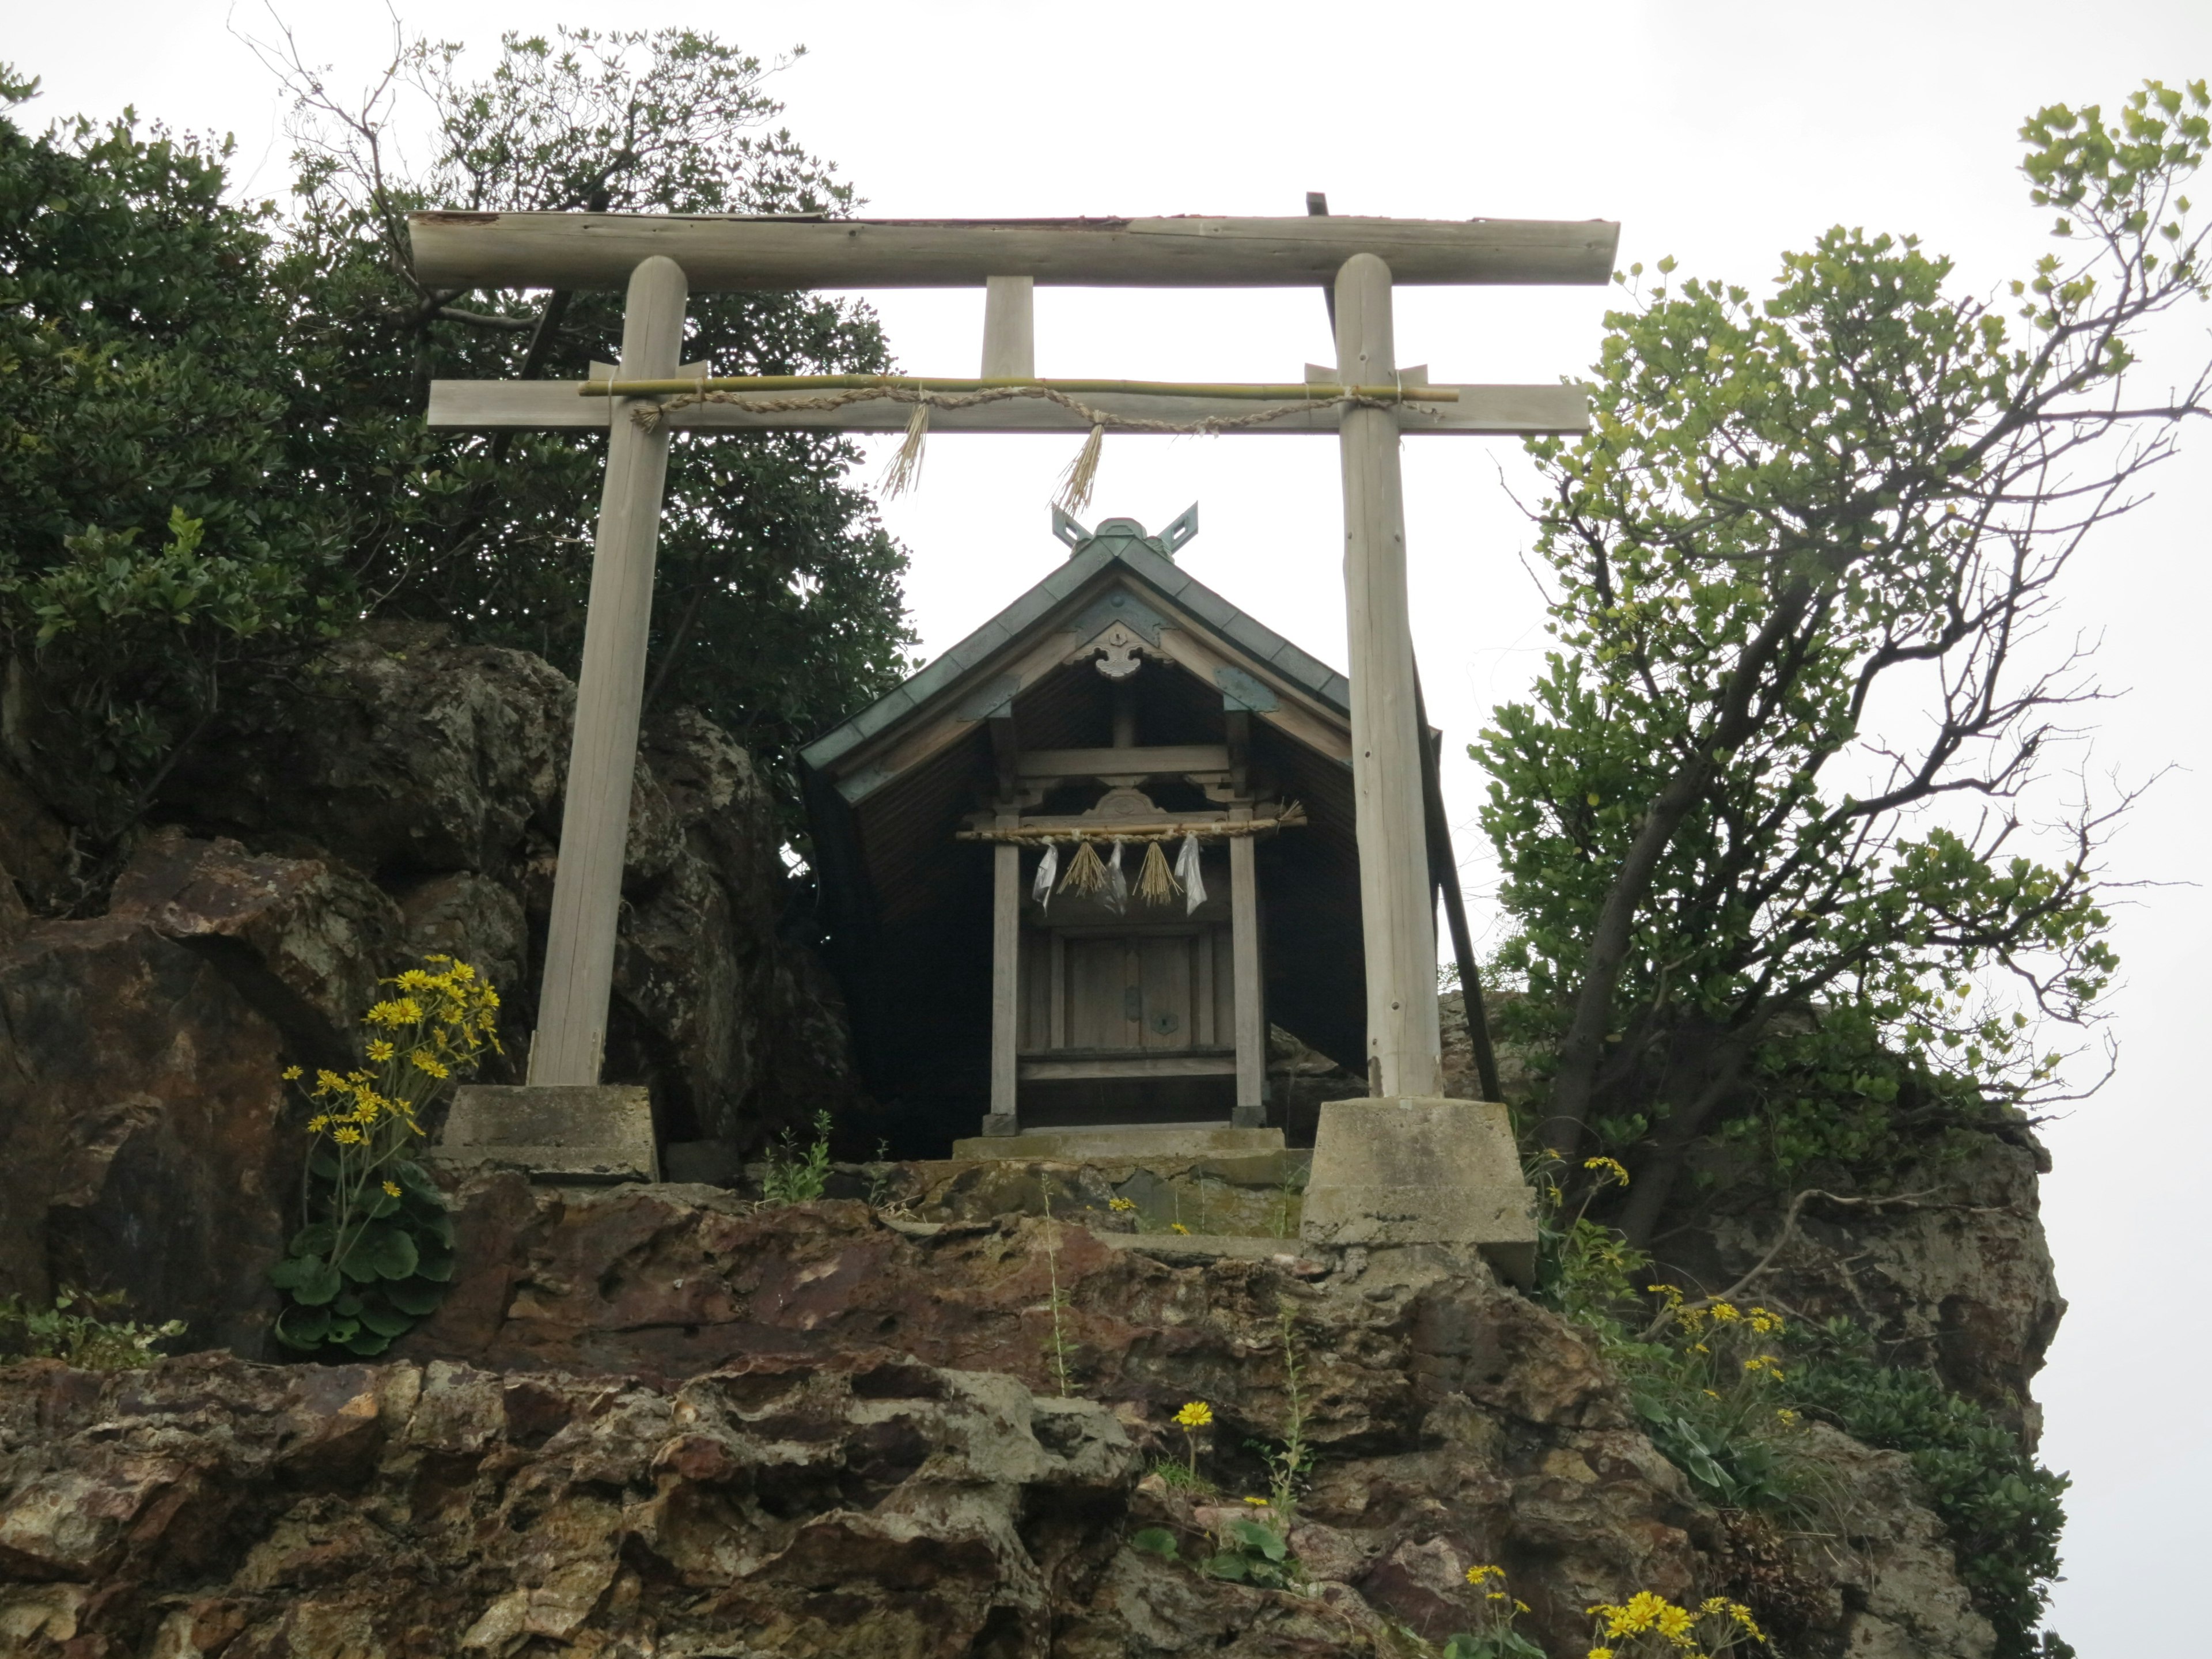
(213, 445)
(158, 544)
(776, 609)
(1762, 820)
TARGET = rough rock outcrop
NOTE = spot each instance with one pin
(869, 1506)
(1950, 1272)
(131, 1159)
(1453, 1420)
(403, 798)
(672, 1424)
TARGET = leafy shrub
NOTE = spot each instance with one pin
(73, 1331)
(377, 1252)
(2000, 1507)
(794, 1176)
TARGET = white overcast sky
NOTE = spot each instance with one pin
(1720, 133)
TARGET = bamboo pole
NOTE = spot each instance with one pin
(580, 939)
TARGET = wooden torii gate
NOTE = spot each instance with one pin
(660, 260)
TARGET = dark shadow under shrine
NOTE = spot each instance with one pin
(1127, 729)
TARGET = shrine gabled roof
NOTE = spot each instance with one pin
(1117, 543)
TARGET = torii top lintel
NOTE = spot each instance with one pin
(600, 250)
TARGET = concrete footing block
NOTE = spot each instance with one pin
(593, 1132)
(1421, 1170)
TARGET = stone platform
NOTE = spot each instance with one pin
(597, 1134)
(1122, 1143)
(1421, 1170)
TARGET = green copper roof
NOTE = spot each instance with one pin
(1121, 542)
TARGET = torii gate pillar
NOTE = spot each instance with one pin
(1397, 914)
(580, 941)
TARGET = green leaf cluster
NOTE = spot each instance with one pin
(211, 413)
(159, 541)
(2003, 1509)
(776, 609)
(359, 1292)
(77, 1331)
(1254, 1553)
(1758, 819)
(796, 1175)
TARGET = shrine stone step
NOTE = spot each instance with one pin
(596, 1134)
(1121, 1143)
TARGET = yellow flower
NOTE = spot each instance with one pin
(1195, 1415)
(347, 1137)
(1120, 1203)
(380, 1051)
(1787, 1418)
(291, 1074)
(1520, 1606)
(401, 1011)
(423, 1061)
(1177, 1227)
(1601, 1653)
(1496, 1595)
(1261, 1502)
(1475, 1574)
(391, 1187)
(1610, 1167)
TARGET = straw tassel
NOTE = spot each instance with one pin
(1086, 872)
(1082, 473)
(905, 468)
(1155, 884)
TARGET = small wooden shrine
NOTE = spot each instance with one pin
(1073, 869)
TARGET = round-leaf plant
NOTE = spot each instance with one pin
(377, 1252)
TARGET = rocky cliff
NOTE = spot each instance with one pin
(404, 798)
(669, 1422)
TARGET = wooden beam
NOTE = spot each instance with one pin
(1010, 328)
(599, 250)
(579, 940)
(1396, 912)
(547, 405)
(1155, 762)
(1297, 712)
